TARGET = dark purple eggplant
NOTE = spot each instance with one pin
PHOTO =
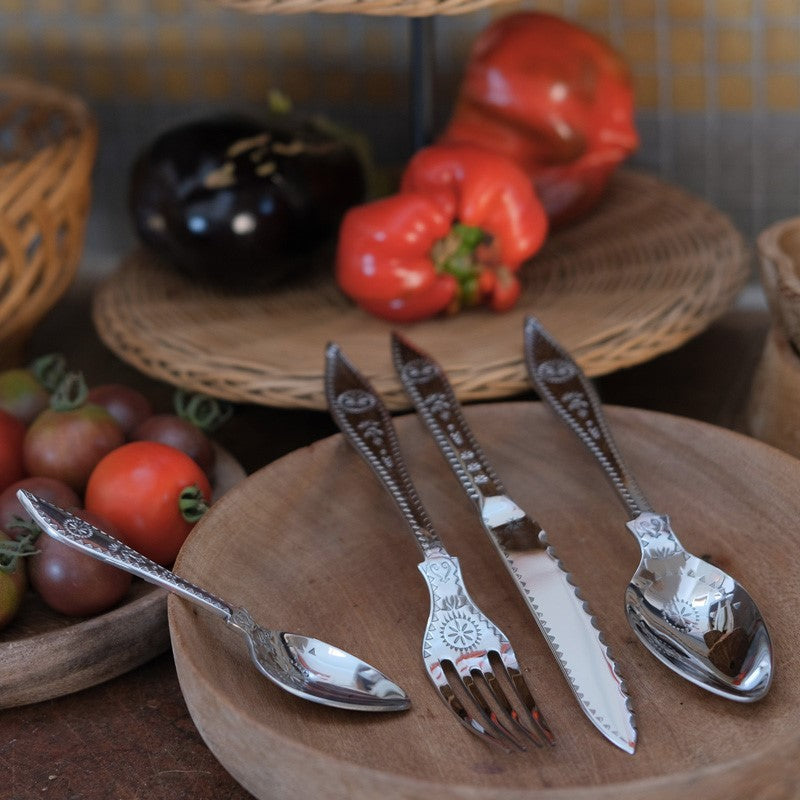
(239, 203)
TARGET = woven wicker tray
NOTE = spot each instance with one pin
(650, 268)
(385, 8)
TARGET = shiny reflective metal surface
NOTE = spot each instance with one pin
(302, 666)
(562, 616)
(467, 657)
(691, 615)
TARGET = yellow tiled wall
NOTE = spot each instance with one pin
(717, 81)
(733, 54)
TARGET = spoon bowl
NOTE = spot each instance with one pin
(695, 618)
(303, 666)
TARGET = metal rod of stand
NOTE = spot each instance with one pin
(423, 69)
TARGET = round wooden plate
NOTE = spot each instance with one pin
(313, 544)
(651, 267)
(44, 654)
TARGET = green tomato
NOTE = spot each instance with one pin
(21, 394)
(13, 583)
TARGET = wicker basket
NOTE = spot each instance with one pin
(393, 8)
(48, 141)
(779, 258)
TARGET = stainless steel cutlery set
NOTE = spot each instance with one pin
(692, 616)
(689, 614)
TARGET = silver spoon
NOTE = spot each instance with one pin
(691, 615)
(300, 665)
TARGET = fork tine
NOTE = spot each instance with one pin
(469, 722)
(523, 693)
(488, 712)
(535, 736)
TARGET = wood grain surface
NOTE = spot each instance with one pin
(44, 654)
(313, 544)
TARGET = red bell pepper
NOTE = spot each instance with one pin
(555, 98)
(455, 235)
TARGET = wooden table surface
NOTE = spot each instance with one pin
(132, 737)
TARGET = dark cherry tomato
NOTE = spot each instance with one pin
(152, 493)
(233, 200)
(68, 439)
(12, 435)
(15, 520)
(13, 583)
(74, 583)
(127, 405)
(179, 433)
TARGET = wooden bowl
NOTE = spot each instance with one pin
(320, 548)
(779, 259)
(48, 142)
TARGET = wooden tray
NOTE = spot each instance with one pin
(321, 549)
(650, 268)
(44, 654)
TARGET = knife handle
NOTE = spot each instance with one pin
(561, 383)
(364, 420)
(430, 391)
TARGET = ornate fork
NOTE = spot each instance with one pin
(463, 650)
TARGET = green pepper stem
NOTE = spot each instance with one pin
(463, 253)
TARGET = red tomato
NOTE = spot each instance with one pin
(152, 494)
(12, 434)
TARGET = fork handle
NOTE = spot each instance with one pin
(432, 395)
(364, 420)
(561, 383)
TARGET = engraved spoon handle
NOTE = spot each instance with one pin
(78, 533)
(432, 394)
(561, 383)
(363, 418)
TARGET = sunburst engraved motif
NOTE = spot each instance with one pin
(78, 528)
(682, 615)
(459, 631)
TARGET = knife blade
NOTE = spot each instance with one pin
(564, 619)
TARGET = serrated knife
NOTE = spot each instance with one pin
(562, 616)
